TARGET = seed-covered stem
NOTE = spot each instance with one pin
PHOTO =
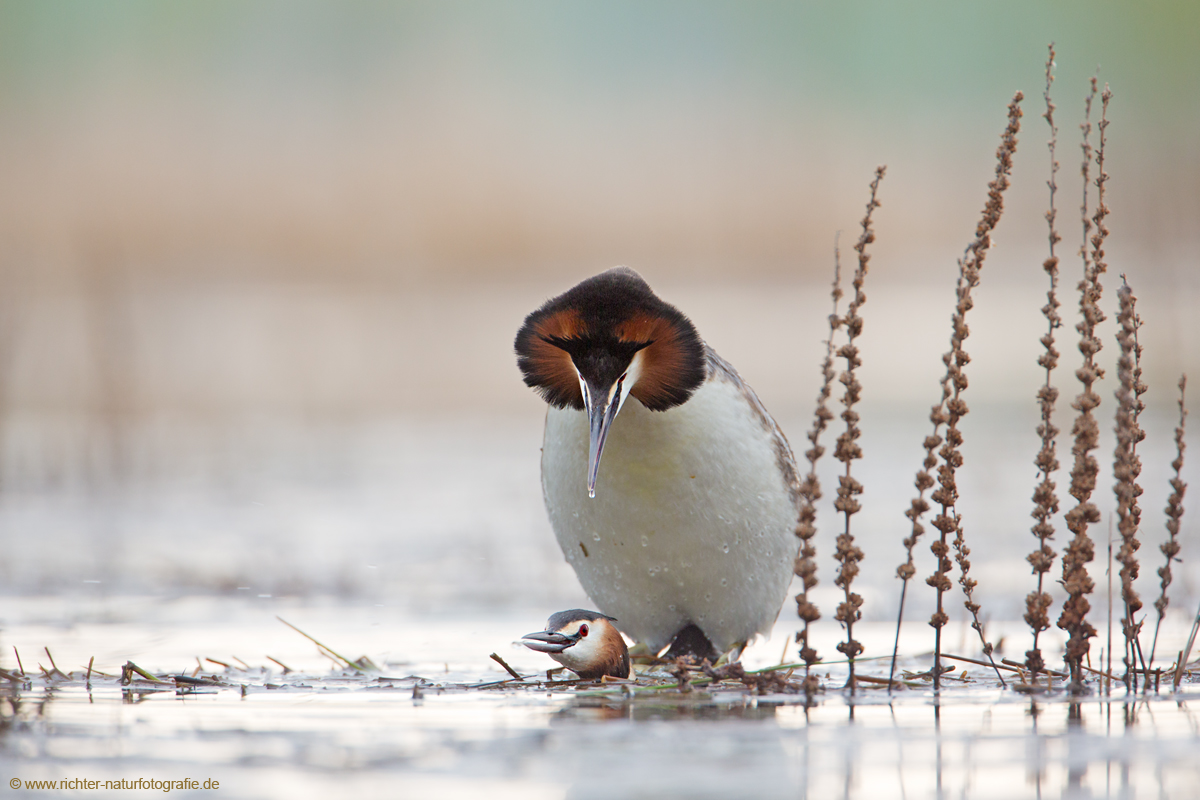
(1174, 512)
(1080, 551)
(917, 509)
(810, 491)
(1127, 467)
(848, 451)
(1045, 497)
(949, 520)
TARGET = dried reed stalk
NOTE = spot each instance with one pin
(1108, 573)
(1174, 512)
(1186, 653)
(1127, 467)
(1045, 497)
(924, 482)
(946, 494)
(847, 451)
(810, 490)
(1076, 581)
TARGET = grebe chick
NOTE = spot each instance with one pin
(585, 643)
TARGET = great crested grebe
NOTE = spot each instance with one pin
(687, 536)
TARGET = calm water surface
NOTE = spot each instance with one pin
(322, 732)
(424, 545)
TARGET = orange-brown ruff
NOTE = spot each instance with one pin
(691, 529)
(613, 311)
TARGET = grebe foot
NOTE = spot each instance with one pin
(691, 641)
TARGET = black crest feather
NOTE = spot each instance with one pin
(597, 327)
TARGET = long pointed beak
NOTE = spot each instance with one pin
(548, 641)
(602, 408)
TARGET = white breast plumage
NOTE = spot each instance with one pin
(694, 515)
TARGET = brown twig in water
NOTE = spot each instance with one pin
(1001, 666)
(20, 666)
(1186, 653)
(848, 554)
(1080, 550)
(946, 494)
(286, 668)
(1021, 665)
(101, 673)
(1174, 512)
(1045, 498)
(54, 667)
(888, 682)
(335, 654)
(495, 657)
(1127, 467)
(130, 668)
(810, 491)
(1106, 675)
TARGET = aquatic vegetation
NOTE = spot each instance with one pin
(1174, 512)
(1127, 466)
(848, 553)
(810, 491)
(954, 383)
(1081, 550)
(1045, 498)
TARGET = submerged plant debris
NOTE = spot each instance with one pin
(653, 677)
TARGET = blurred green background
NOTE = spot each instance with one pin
(372, 140)
(175, 148)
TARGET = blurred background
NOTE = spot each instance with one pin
(261, 264)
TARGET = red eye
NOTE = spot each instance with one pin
(583, 631)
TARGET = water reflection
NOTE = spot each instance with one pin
(665, 707)
(977, 743)
(1061, 747)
